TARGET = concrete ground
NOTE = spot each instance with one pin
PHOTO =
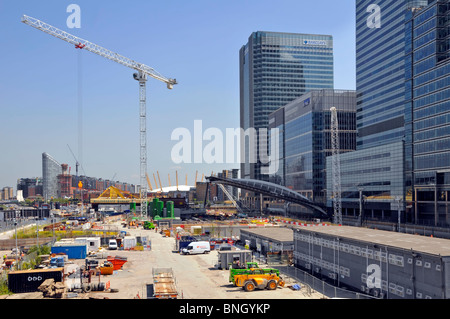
(196, 277)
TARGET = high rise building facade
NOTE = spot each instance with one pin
(380, 71)
(275, 69)
(403, 93)
(50, 171)
(427, 111)
(304, 133)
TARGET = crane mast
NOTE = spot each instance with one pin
(143, 71)
(336, 167)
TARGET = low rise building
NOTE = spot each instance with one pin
(380, 263)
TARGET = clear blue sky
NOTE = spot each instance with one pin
(196, 41)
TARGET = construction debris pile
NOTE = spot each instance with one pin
(52, 289)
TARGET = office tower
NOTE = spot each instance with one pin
(380, 71)
(50, 171)
(402, 112)
(275, 69)
(305, 139)
(427, 111)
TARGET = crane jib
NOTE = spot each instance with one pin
(94, 48)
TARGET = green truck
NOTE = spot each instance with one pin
(248, 270)
(149, 225)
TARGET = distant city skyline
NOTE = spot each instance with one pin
(197, 43)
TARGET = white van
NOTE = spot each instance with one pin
(197, 247)
(112, 245)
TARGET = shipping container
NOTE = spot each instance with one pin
(72, 251)
(227, 257)
(30, 280)
(93, 243)
(129, 242)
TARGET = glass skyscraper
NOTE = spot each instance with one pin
(275, 69)
(50, 171)
(403, 93)
(427, 110)
(305, 139)
(380, 71)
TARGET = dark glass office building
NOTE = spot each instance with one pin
(380, 71)
(403, 100)
(427, 111)
(305, 139)
(275, 69)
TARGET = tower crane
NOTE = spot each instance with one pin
(143, 71)
(336, 167)
(76, 162)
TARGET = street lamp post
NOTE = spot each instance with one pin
(17, 248)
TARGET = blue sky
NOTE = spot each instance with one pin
(197, 42)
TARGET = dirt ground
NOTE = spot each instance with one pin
(196, 277)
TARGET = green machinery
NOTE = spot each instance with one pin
(149, 225)
(156, 209)
(248, 270)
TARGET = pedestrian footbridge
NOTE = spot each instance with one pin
(271, 190)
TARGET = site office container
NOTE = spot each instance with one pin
(72, 251)
(129, 242)
(227, 257)
(376, 269)
(30, 280)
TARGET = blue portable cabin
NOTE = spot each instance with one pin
(72, 251)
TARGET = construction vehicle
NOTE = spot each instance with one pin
(258, 279)
(250, 266)
(163, 286)
(149, 225)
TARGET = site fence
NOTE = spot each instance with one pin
(309, 281)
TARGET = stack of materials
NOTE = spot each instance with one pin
(52, 289)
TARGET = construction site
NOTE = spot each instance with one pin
(147, 264)
(203, 242)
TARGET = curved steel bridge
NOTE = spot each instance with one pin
(270, 189)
